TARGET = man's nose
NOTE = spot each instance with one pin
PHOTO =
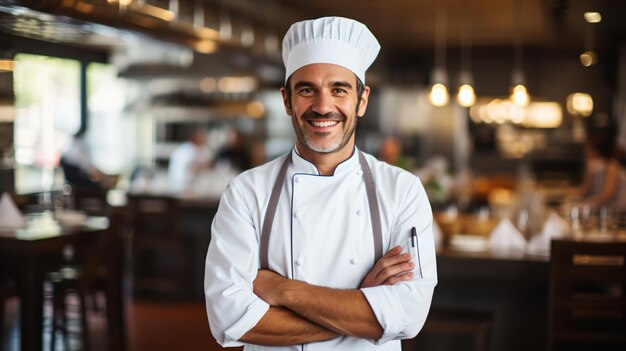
(323, 103)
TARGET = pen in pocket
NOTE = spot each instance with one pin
(415, 252)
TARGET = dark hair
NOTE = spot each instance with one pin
(360, 88)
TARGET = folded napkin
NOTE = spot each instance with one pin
(555, 227)
(10, 215)
(437, 235)
(505, 237)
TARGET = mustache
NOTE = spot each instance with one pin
(310, 114)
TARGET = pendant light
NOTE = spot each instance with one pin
(439, 90)
(519, 93)
(466, 96)
(589, 57)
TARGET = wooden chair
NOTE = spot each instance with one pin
(162, 263)
(587, 296)
(98, 267)
(8, 289)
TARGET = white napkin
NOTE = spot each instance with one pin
(437, 235)
(555, 227)
(505, 237)
(10, 215)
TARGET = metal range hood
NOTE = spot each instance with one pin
(182, 22)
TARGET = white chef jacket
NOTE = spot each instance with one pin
(322, 235)
(185, 164)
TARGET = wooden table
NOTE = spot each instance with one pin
(30, 246)
(511, 287)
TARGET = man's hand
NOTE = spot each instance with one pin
(267, 286)
(390, 269)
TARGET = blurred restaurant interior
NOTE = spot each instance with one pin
(512, 113)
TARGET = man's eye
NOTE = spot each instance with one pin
(306, 91)
(339, 91)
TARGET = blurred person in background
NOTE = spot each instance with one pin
(188, 161)
(235, 153)
(391, 152)
(598, 151)
(613, 193)
(80, 171)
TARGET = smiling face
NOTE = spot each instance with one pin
(324, 108)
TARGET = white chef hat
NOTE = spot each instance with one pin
(337, 40)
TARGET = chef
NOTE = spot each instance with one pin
(324, 248)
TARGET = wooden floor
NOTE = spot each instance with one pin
(152, 325)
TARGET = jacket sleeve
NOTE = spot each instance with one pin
(231, 267)
(401, 309)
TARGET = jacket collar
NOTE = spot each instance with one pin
(301, 165)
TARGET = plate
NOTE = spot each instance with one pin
(469, 243)
(70, 218)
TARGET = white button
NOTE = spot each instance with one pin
(358, 212)
(300, 261)
(298, 179)
(353, 260)
(296, 215)
(359, 172)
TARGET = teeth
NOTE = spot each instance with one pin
(324, 123)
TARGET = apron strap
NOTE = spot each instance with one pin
(271, 212)
(372, 200)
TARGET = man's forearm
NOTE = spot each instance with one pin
(346, 312)
(281, 327)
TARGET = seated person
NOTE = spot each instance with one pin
(391, 152)
(188, 161)
(597, 155)
(79, 169)
(235, 152)
(613, 192)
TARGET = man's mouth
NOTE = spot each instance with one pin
(323, 124)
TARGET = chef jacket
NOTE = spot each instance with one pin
(322, 234)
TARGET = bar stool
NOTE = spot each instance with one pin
(96, 269)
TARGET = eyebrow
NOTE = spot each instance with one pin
(342, 84)
(302, 84)
(305, 84)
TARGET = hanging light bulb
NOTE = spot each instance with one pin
(466, 96)
(589, 57)
(439, 92)
(520, 96)
(439, 95)
(519, 93)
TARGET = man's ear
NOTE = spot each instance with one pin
(286, 101)
(363, 104)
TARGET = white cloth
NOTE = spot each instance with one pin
(188, 161)
(78, 154)
(337, 40)
(10, 215)
(555, 227)
(505, 237)
(437, 235)
(322, 235)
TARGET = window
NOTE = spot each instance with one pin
(47, 100)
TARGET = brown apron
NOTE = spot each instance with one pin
(273, 204)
